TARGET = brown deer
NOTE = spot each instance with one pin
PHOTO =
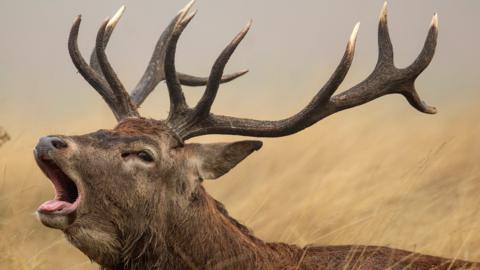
(132, 197)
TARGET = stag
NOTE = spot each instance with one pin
(132, 197)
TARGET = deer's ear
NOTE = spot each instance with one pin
(214, 160)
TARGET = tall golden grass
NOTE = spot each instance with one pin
(361, 177)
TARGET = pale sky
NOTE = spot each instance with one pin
(291, 50)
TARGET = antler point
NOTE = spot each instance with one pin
(353, 36)
(429, 109)
(435, 20)
(186, 8)
(116, 17)
(384, 12)
(248, 26)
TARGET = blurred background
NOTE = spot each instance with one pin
(380, 174)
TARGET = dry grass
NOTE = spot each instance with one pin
(406, 181)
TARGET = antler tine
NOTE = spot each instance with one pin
(428, 51)
(385, 47)
(190, 80)
(178, 103)
(108, 33)
(121, 95)
(204, 105)
(338, 76)
(87, 72)
(418, 66)
(155, 72)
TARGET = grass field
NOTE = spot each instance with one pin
(366, 177)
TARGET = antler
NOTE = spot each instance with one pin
(385, 79)
(102, 77)
(190, 122)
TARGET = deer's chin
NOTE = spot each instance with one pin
(60, 212)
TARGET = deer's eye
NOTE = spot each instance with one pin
(145, 156)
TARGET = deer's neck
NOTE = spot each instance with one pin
(206, 237)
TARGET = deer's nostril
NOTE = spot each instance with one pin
(49, 144)
(58, 143)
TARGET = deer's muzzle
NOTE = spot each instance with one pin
(61, 211)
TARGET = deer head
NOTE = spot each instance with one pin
(113, 186)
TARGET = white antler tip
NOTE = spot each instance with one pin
(435, 20)
(114, 20)
(353, 36)
(187, 7)
(383, 13)
(249, 24)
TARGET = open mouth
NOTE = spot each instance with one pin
(67, 197)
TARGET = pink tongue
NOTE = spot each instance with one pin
(54, 206)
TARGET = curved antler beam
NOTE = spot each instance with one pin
(217, 124)
(206, 101)
(385, 79)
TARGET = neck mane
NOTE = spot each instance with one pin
(204, 236)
